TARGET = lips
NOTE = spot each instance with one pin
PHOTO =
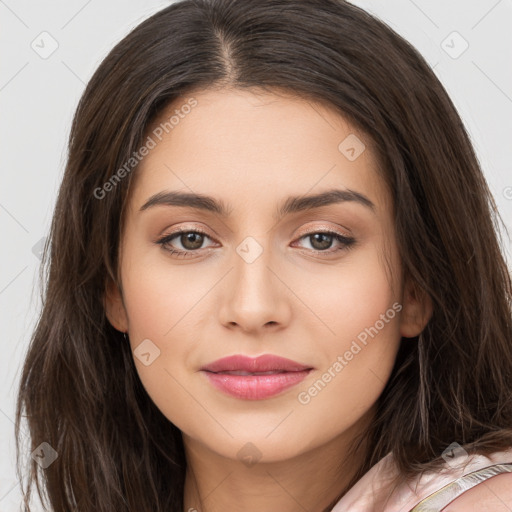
(254, 378)
(242, 372)
(265, 363)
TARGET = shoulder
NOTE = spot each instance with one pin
(493, 494)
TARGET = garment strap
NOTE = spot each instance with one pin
(436, 501)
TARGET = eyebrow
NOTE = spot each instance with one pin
(292, 204)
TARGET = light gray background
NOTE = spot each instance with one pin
(38, 97)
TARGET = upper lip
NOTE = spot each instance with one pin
(264, 363)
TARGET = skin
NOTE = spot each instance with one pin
(252, 150)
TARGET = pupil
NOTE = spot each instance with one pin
(192, 240)
(322, 237)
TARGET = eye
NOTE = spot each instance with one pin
(322, 241)
(190, 241)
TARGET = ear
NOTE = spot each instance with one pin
(416, 310)
(114, 307)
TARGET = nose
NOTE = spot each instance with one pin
(255, 298)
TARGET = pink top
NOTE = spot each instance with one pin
(369, 493)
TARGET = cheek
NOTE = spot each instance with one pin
(351, 297)
(360, 342)
(160, 302)
(349, 384)
(161, 297)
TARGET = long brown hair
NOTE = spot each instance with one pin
(79, 388)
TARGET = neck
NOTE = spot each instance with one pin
(313, 480)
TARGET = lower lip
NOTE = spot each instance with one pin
(255, 387)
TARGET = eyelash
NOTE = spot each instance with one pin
(347, 242)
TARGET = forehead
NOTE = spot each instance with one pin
(254, 147)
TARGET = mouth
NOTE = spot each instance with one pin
(241, 372)
(258, 378)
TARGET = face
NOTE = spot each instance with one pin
(285, 248)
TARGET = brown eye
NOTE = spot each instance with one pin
(190, 241)
(322, 241)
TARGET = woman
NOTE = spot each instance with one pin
(266, 290)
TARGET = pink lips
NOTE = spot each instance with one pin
(255, 378)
